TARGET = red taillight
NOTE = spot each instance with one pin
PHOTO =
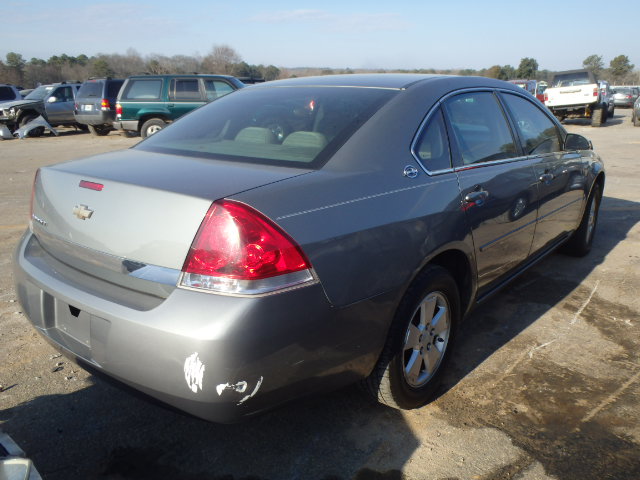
(546, 97)
(595, 92)
(236, 243)
(105, 105)
(118, 109)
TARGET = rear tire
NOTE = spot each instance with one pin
(152, 126)
(419, 342)
(99, 130)
(636, 120)
(580, 242)
(597, 117)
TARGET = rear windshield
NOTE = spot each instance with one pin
(625, 90)
(572, 79)
(291, 126)
(90, 89)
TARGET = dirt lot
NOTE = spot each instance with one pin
(546, 382)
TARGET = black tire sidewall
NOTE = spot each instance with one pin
(434, 279)
(149, 123)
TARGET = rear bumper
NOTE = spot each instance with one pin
(217, 357)
(98, 118)
(128, 125)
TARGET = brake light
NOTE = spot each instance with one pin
(105, 105)
(239, 250)
(546, 97)
(118, 109)
(595, 92)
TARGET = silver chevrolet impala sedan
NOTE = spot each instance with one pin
(301, 235)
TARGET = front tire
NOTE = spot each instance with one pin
(580, 242)
(419, 342)
(152, 126)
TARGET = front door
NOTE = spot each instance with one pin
(497, 184)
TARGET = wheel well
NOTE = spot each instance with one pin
(457, 263)
(149, 117)
(600, 181)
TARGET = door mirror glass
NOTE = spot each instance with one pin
(577, 142)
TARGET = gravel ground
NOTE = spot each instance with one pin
(545, 385)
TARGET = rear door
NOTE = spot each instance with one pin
(497, 184)
(184, 95)
(560, 176)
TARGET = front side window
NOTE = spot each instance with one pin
(63, 94)
(480, 128)
(143, 90)
(538, 134)
(185, 89)
(216, 88)
(432, 147)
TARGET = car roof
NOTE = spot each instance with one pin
(396, 81)
(180, 75)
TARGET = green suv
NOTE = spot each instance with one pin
(147, 103)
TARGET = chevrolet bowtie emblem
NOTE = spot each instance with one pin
(82, 212)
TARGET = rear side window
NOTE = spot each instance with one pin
(113, 87)
(186, 89)
(538, 134)
(143, 89)
(480, 128)
(90, 89)
(216, 88)
(432, 147)
(6, 93)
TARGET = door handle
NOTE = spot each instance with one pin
(478, 197)
(546, 177)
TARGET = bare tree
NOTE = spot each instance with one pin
(221, 59)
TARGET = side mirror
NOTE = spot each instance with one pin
(573, 141)
(52, 99)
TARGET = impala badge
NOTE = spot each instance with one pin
(82, 212)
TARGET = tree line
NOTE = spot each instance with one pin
(222, 59)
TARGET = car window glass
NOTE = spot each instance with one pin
(480, 129)
(432, 148)
(6, 93)
(113, 87)
(299, 126)
(185, 89)
(63, 94)
(143, 90)
(216, 88)
(538, 133)
(90, 89)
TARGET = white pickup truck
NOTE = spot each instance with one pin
(579, 94)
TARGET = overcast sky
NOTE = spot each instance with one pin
(336, 34)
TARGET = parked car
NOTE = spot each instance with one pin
(300, 235)
(625, 96)
(579, 94)
(9, 93)
(147, 103)
(95, 104)
(54, 102)
(635, 115)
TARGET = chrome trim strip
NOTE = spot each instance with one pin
(74, 254)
